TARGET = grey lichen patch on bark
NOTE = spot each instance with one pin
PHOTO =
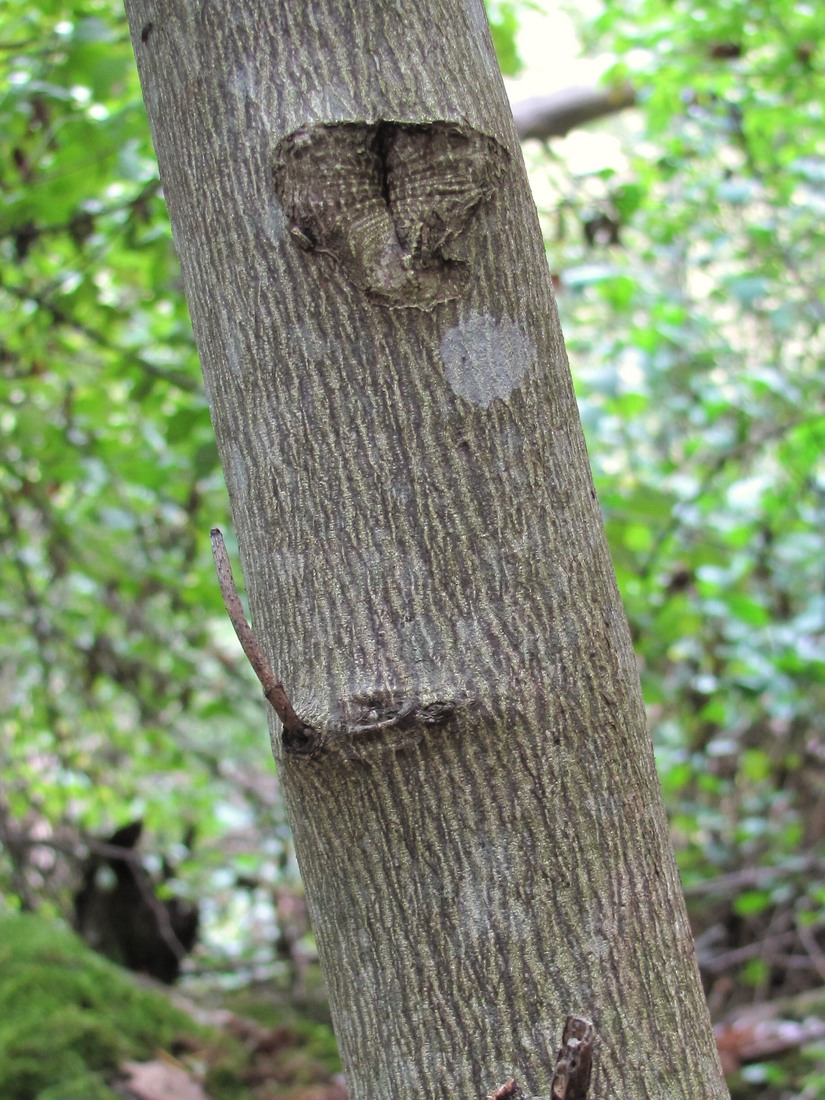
(391, 203)
(485, 358)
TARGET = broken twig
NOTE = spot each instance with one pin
(571, 1081)
(298, 737)
(508, 1091)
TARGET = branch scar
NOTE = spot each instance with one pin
(391, 203)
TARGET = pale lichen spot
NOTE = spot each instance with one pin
(209, 393)
(271, 222)
(243, 86)
(233, 344)
(485, 358)
(237, 474)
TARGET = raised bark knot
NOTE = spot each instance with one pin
(392, 203)
(368, 726)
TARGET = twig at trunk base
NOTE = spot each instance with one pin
(298, 738)
(571, 1080)
(508, 1091)
(574, 1062)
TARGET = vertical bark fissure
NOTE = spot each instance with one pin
(488, 854)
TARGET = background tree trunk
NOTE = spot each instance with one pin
(556, 113)
(481, 832)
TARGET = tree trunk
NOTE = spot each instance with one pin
(475, 807)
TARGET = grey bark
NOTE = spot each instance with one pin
(480, 827)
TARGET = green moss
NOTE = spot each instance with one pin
(67, 1016)
(91, 1086)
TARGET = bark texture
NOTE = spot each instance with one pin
(480, 832)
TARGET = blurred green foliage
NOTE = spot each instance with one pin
(121, 693)
(691, 290)
(689, 261)
(696, 343)
(503, 17)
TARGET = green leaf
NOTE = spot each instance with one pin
(503, 19)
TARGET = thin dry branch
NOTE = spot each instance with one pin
(299, 737)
